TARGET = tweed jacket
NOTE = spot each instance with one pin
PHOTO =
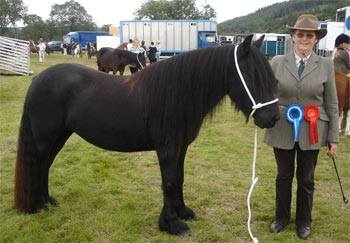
(315, 86)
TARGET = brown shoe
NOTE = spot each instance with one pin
(277, 226)
(303, 232)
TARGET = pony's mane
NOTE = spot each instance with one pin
(179, 92)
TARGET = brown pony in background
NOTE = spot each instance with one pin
(35, 49)
(343, 92)
(115, 60)
(123, 46)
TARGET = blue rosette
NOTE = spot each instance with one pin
(294, 115)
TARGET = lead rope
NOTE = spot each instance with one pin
(254, 107)
(254, 181)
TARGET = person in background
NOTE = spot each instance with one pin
(129, 45)
(61, 46)
(73, 46)
(307, 99)
(88, 50)
(64, 48)
(152, 50)
(42, 48)
(159, 51)
(143, 45)
(341, 57)
(136, 48)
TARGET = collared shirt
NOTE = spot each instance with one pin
(137, 49)
(298, 59)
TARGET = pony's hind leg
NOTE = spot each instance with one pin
(340, 121)
(57, 146)
(37, 148)
(347, 125)
(168, 219)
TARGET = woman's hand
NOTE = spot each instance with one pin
(332, 149)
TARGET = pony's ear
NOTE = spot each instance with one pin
(258, 43)
(246, 43)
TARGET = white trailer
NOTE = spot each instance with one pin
(175, 36)
(341, 25)
(107, 41)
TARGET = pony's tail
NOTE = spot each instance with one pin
(26, 179)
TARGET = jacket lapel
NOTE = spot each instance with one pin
(289, 62)
(291, 66)
(310, 65)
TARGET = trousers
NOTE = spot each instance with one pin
(306, 163)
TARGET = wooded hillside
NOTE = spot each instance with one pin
(274, 18)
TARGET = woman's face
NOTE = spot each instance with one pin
(136, 43)
(304, 42)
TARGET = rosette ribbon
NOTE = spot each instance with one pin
(294, 115)
(312, 113)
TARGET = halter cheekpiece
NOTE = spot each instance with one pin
(255, 105)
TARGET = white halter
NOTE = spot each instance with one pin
(254, 107)
(138, 60)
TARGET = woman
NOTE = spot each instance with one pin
(341, 56)
(42, 50)
(313, 93)
(136, 48)
(159, 51)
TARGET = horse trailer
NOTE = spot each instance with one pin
(175, 36)
(275, 44)
(334, 28)
(82, 37)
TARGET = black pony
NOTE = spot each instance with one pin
(109, 59)
(160, 108)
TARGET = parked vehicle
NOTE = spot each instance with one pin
(275, 44)
(82, 37)
(175, 36)
(341, 25)
(54, 46)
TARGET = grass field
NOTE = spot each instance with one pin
(116, 197)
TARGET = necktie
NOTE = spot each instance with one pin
(301, 67)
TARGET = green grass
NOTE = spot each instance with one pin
(116, 197)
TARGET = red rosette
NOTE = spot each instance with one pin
(312, 113)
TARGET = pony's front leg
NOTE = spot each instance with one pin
(168, 219)
(183, 212)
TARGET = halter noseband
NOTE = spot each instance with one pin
(138, 60)
(255, 105)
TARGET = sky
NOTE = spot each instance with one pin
(113, 11)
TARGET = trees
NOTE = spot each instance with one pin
(35, 28)
(174, 9)
(69, 16)
(11, 11)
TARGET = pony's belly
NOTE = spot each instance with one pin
(121, 142)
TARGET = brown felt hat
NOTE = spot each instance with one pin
(308, 22)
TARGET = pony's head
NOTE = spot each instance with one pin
(254, 72)
(141, 60)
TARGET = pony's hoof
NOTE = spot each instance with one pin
(186, 233)
(174, 227)
(52, 201)
(186, 213)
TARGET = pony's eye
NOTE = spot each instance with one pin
(276, 81)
